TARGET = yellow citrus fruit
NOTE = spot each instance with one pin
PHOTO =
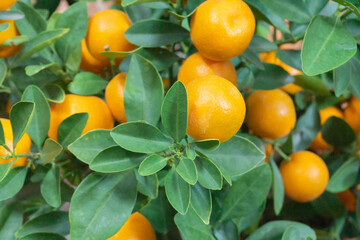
(197, 66)
(270, 113)
(305, 176)
(319, 143)
(270, 57)
(88, 62)
(99, 114)
(114, 95)
(11, 32)
(137, 227)
(222, 29)
(106, 29)
(348, 199)
(22, 147)
(216, 108)
(6, 4)
(352, 114)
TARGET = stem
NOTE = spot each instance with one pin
(282, 154)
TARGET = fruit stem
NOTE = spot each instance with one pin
(282, 154)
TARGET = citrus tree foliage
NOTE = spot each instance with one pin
(187, 189)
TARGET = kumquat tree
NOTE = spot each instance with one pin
(179, 119)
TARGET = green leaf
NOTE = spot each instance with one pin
(148, 185)
(187, 170)
(71, 128)
(75, 18)
(4, 26)
(33, 23)
(54, 93)
(12, 183)
(40, 123)
(117, 54)
(127, 3)
(2, 135)
(254, 58)
(86, 83)
(155, 33)
(91, 144)
(272, 77)
(290, 57)
(277, 186)
(50, 187)
(43, 236)
(143, 93)
(207, 145)
(50, 151)
(113, 198)
(161, 58)
(177, 191)
(174, 112)
(246, 221)
(201, 202)
(325, 38)
(357, 212)
(260, 44)
(115, 159)
(349, 5)
(337, 132)
(20, 117)
(11, 15)
(152, 164)
(3, 71)
(247, 193)
(313, 84)
(344, 177)
(275, 230)
(53, 222)
(209, 175)
(18, 40)
(140, 137)
(226, 231)
(5, 169)
(34, 69)
(11, 219)
(41, 41)
(354, 81)
(191, 226)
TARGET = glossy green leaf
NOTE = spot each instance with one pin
(277, 186)
(177, 191)
(54, 93)
(272, 77)
(33, 23)
(174, 112)
(3, 71)
(247, 193)
(155, 33)
(209, 175)
(143, 93)
(115, 159)
(226, 230)
(161, 58)
(11, 218)
(86, 83)
(91, 144)
(43, 236)
(140, 137)
(4, 26)
(201, 202)
(12, 183)
(11, 15)
(207, 145)
(40, 122)
(337, 132)
(344, 177)
(112, 197)
(349, 4)
(187, 170)
(53, 222)
(5, 169)
(260, 44)
(354, 80)
(152, 164)
(50, 187)
(71, 128)
(50, 151)
(34, 69)
(290, 57)
(313, 84)
(127, 3)
(325, 38)
(2, 135)
(148, 185)
(20, 117)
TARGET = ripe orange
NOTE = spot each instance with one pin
(271, 113)
(22, 147)
(137, 227)
(11, 32)
(88, 62)
(270, 57)
(305, 176)
(6, 4)
(106, 29)
(348, 199)
(197, 66)
(319, 143)
(114, 95)
(216, 108)
(352, 114)
(222, 29)
(99, 114)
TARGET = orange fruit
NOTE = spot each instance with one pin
(270, 57)
(222, 29)
(99, 114)
(216, 108)
(197, 66)
(268, 151)
(137, 227)
(106, 29)
(6, 4)
(11, 32)
(22, 147)
(319, 143)
(305, 176)
(348, 199)
(271, 113)
(114, 95)
(88, 62)
(352, 114)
